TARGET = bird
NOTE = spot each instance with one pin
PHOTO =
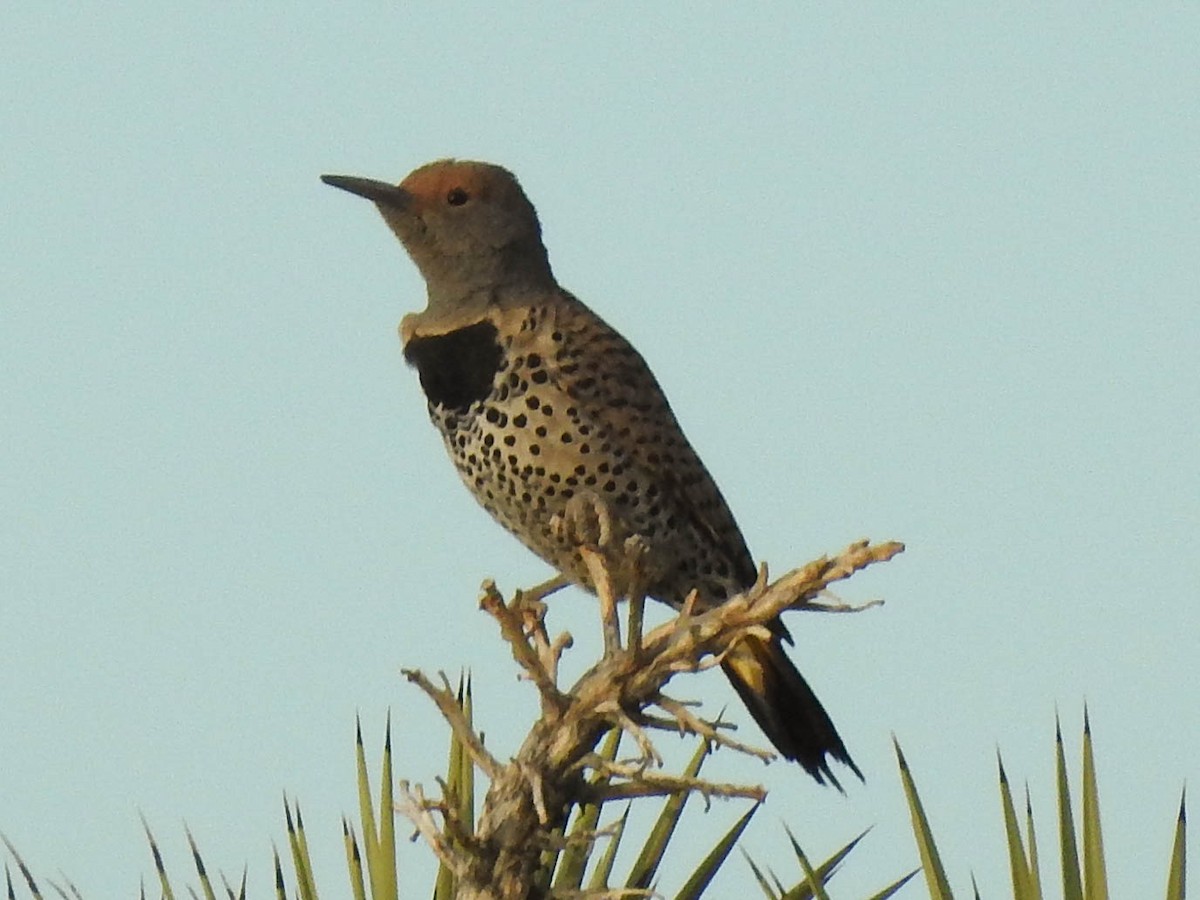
(540, 402)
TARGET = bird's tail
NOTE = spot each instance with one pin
(785, 707)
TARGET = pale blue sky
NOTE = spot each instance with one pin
(910, 272)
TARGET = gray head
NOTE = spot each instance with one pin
(467, 225)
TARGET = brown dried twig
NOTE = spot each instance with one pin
(452, 712)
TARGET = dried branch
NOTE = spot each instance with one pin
(413, 805)
(531, 796)
(622, 720)
(447, 704)
(523, 627)
(686, 722)
(653, 784)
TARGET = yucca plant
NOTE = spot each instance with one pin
(563, 801)
(1081, 850)
(584, 863)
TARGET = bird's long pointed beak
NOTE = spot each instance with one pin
(375, 191)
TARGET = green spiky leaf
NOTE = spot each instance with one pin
(1068, 846)
(205, 884)
(30, 881)
(646, 865)
(768, 891)
(1095, 876)
(366, 813)
(699, 880)
(280, 884)
(931, 862)
(301, 859)
(574, 859)
(1017, 866)
(354, 864)
(1177, 875)
(824, 871)
(814, 883)
(603, 870)
(895, 886)
(163, 881)
(1033, 866)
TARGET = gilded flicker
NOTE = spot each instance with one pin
(539, 400)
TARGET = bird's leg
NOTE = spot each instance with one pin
(637, 608)
(598, 571)
(587, 522)
(636, 549)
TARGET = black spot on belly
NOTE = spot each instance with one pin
(457, 369)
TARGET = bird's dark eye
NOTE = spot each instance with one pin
(457, 197)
